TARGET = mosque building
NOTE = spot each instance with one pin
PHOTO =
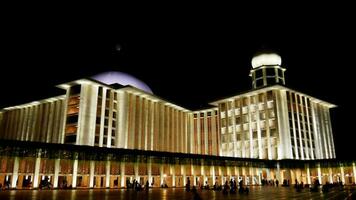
(110, 129)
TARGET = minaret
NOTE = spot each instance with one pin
(266, 70)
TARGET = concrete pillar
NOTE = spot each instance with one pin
(202, 172)
(56, 172)
(308, 175)
(278, 174)
(161, 173)
(354, 171)
(173, 173)
(330, 175)
(268, 174)
(194, 177)
(220, 174)
(212, 169)
(136, 171)
(37, 170)
(91, 173)
(107, 174)
(342, 174)
(122, 175)
(259, 171)
(319, 173)
(15, 173)
(184, 175)
(149, 171)
(75, 173)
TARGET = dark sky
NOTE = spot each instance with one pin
(187, 56)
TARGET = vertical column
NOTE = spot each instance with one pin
(122, 175)
(107, 173)
(278, 175)
(184, 175)
(15, 173)
(194, 177)
(220, 174)
(319, 173)
(136, 171)
(149, 171)
(91, 174)
(308, 175)
(173, 173)
(354, 171)
(330, 175)
(37, 169)
(161, 173)
(75, 170)
(212, 172)
(56, 172)
(268, 174)
(342, 174)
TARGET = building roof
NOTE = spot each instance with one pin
(267, 88)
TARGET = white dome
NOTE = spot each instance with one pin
(122, 79)
(266, 59)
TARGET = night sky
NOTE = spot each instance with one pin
(189, 57)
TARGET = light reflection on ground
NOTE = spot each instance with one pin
(266, 192)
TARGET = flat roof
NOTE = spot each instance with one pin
(267, 88)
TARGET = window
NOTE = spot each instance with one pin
(113, 132)
(247, 135)
(238, 137)
(245, 118)
(258, 73)
(261, 98)
(255, 135)
(97, 120)
(280, 72)
(97, 139)
(112, 142)
(263, 133)
(237, 103)
(262, 115)
(270, 72)
(223, 108)
(223, 123)
(238, 120)
(105, 140)
(100, 92)
(108, 94)
(72, 119)
(245, 101)
(271, 114)
(230, 121)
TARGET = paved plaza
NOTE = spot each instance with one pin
(266, 192)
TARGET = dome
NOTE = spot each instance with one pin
(121, 78)
(266, 59)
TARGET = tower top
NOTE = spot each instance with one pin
(267, 70)
(266, 59)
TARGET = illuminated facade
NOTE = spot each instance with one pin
(239, 135)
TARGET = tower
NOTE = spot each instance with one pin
(266, 70)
